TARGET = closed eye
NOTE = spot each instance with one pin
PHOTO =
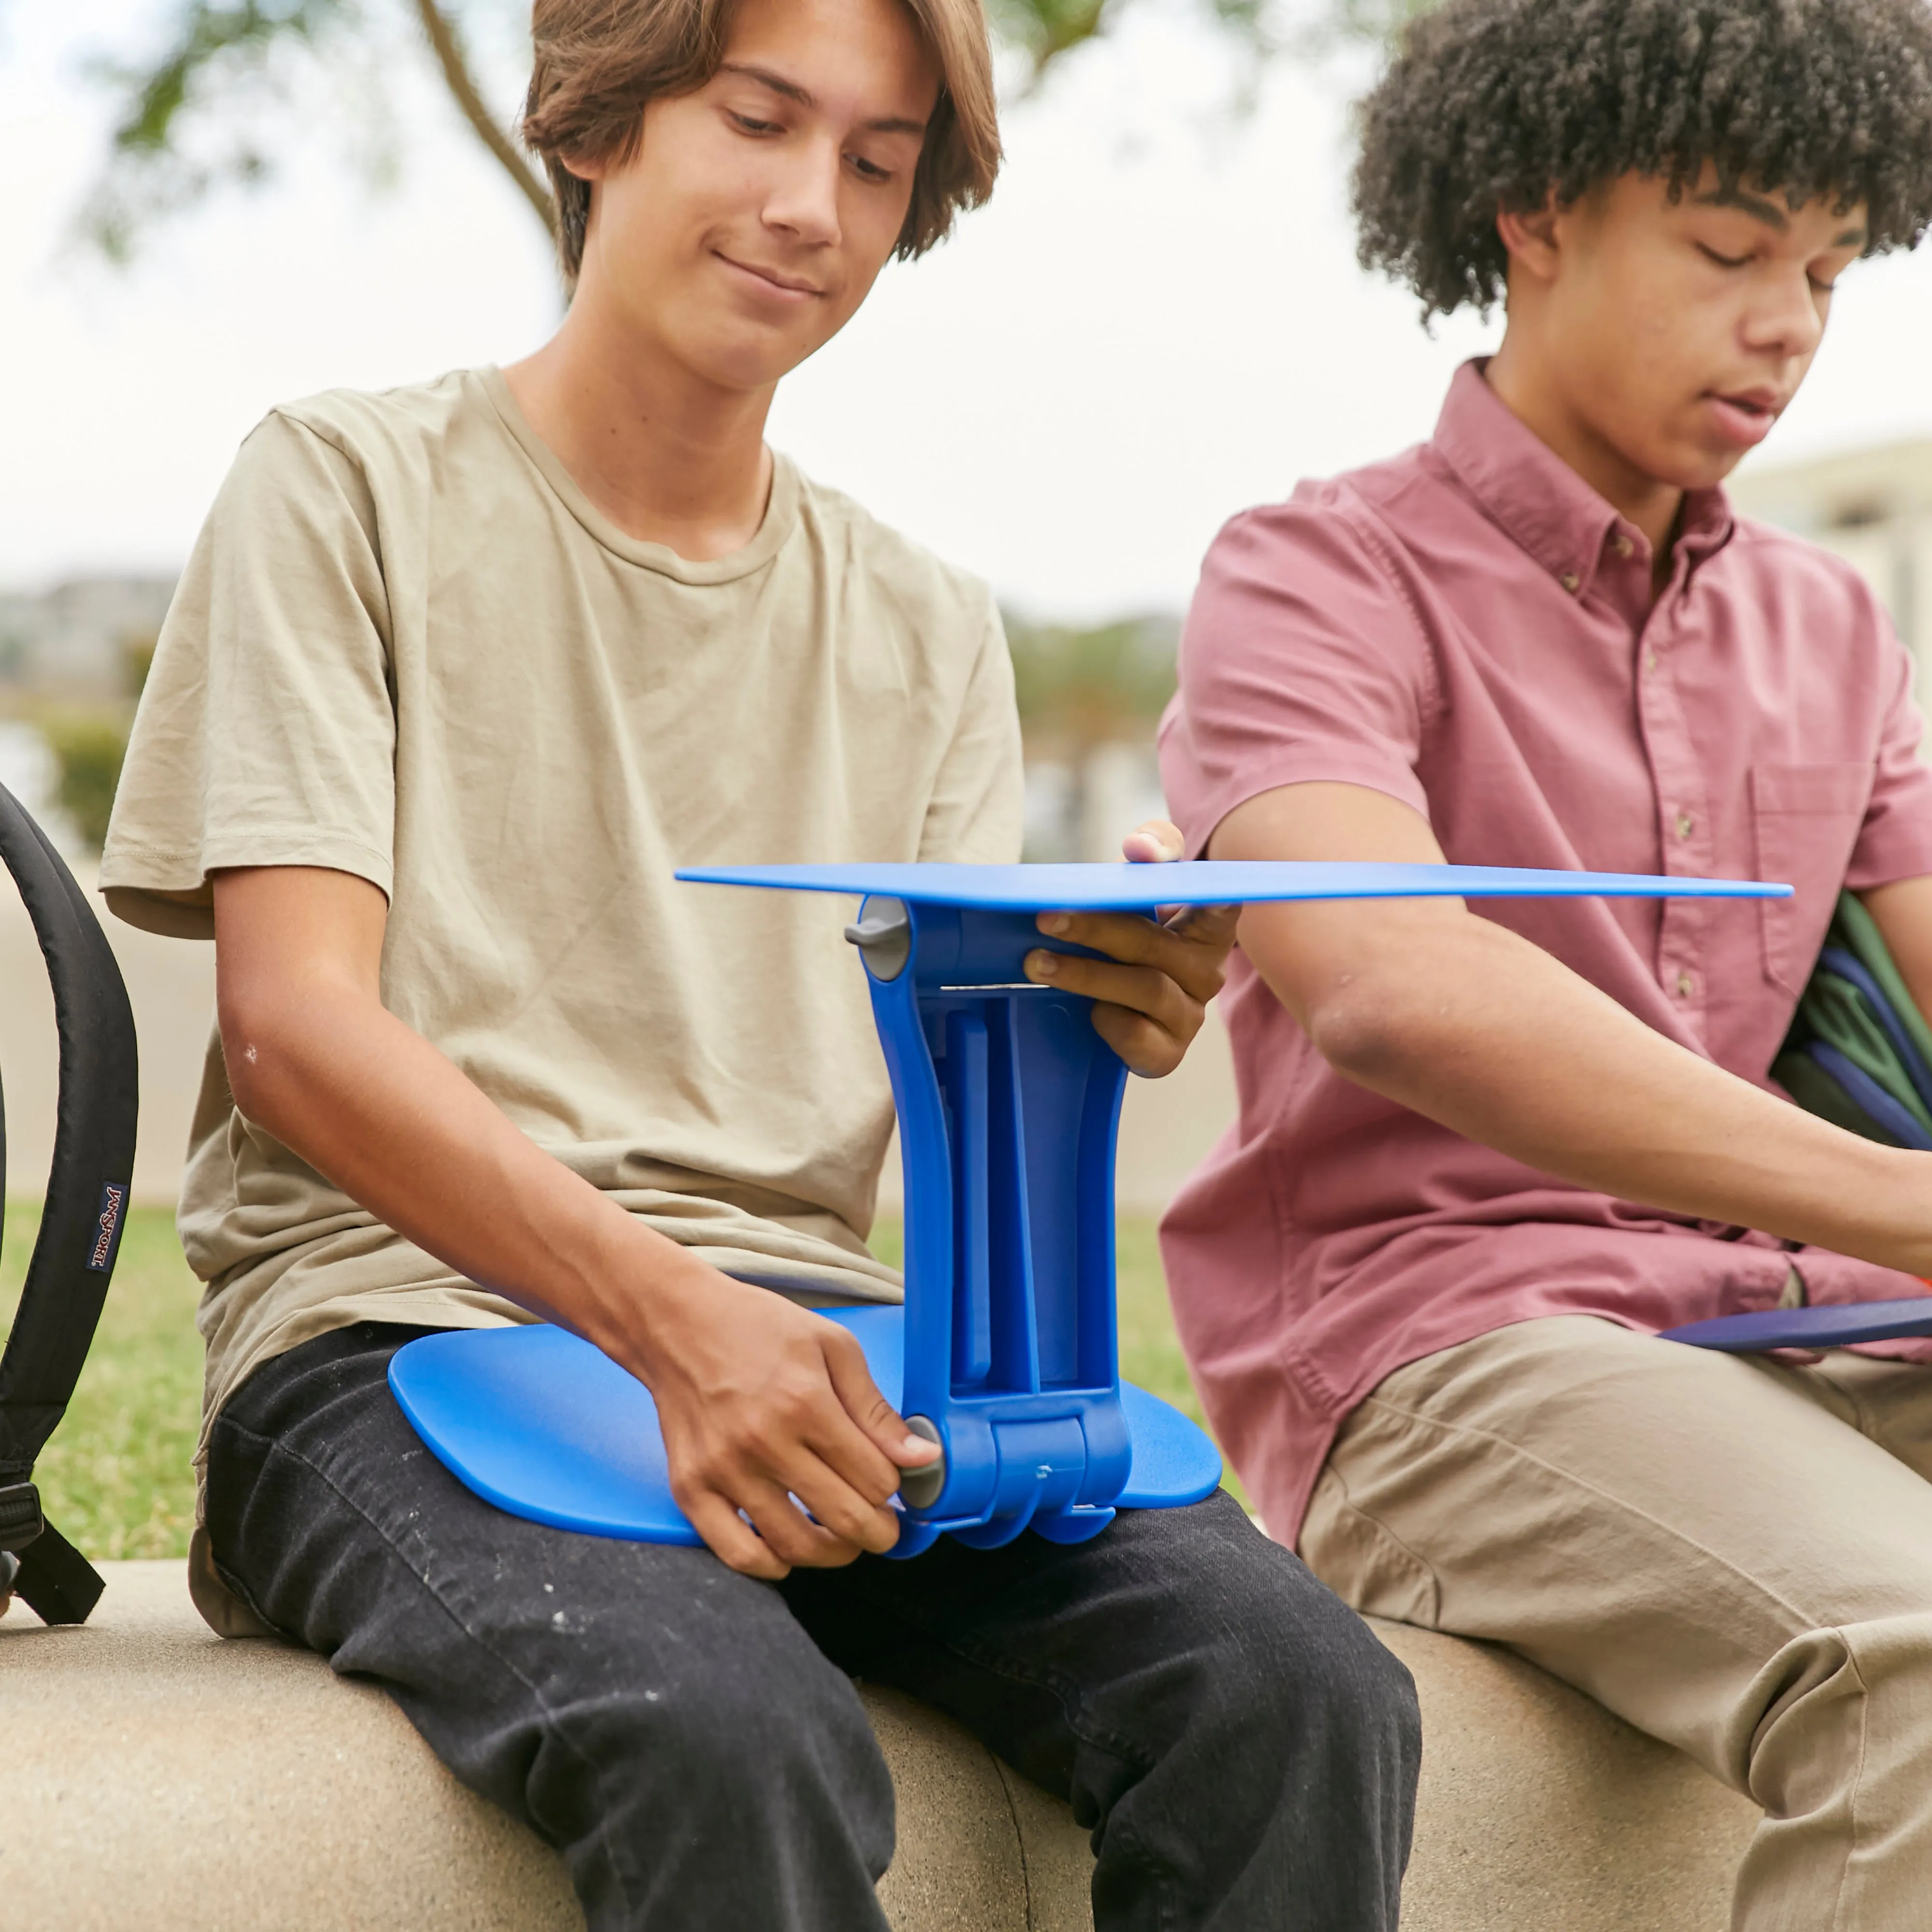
(748, 125)
(1723, 261)
(870, 171)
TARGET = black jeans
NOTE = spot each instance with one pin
(1243, 1750)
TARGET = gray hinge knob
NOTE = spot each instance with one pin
(884, 935)
(920, 1487)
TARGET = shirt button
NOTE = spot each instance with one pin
(1650, 660)
(1686, 825)
(1686, 984)
(1621, 544)
(1571, 581)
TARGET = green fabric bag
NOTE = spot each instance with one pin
(1859, 1052)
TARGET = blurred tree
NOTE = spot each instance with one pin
(1080, 689)
(203, 110)
(1088, 702)
(88, 748)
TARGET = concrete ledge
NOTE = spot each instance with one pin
(1539, 1810)
(156, 1777)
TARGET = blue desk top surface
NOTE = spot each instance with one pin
(1125, 888)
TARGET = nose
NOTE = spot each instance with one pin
(1786, 319)
(803, 200)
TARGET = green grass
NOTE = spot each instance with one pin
(115, 1476)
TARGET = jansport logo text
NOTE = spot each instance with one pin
(113, 1199)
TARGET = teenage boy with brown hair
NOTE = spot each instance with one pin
(457, 675)
(1482, 1158)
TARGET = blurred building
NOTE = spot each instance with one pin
(73, 639)
(1873, 507)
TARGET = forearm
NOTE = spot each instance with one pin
(1469, 1023)
(367, 1101)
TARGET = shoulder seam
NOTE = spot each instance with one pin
(286, 411)
(1357, 515)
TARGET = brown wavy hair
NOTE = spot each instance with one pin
(599, 62)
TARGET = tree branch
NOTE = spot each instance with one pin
(441, 31)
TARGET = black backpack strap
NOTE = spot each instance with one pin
(81, 1223)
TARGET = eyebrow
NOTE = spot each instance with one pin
(1769, 213)
(889, 124)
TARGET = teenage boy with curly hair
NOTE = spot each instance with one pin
(457, 674)
(1482, 1158)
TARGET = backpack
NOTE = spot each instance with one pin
(81, 1222)
(1859, 1053)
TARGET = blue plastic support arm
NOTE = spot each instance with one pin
(1009, 1106)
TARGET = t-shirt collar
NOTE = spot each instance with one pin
(780, 516)
(1541, 504)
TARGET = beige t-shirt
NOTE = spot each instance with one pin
(407, 647)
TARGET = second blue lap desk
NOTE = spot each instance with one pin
(1009, 1101)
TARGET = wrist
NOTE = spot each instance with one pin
(636, 1290)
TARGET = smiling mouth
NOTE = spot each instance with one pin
(771, 279)
(1760, 409)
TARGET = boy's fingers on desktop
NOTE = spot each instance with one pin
(1194, 955)
(1205, 925)
(1155, 842)
(1141, 989)
(1148, 1049)
(1156, 1016)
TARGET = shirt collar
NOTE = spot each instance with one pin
(1541, 504)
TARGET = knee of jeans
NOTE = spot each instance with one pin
(1310, 1667)
(796, 1734)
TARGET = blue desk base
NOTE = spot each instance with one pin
(547, 1426)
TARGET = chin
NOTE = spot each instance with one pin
(1689, 465)
(727, 361)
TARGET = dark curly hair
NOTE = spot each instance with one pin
(1493, 104)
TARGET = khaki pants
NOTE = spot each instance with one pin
(1733, 1554)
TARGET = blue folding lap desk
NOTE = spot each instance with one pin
(1004, 1353)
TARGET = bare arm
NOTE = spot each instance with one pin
(758, 1397)
(1465, 1022)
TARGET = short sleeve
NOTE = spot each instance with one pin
(1895, 841)
(266, 733)
(1301, 661)
(977, 814)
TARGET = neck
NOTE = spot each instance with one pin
(1524, 383)
(667, 456)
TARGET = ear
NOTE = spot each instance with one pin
(585, 168)
(1532, 240)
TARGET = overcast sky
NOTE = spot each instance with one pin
(1158, 320)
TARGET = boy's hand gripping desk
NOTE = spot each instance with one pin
(1009, 1100)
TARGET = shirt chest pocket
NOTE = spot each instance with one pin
(1806, 819)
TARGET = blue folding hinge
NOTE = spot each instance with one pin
(1008, 1107)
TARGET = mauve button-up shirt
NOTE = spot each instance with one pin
(1470, 628)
